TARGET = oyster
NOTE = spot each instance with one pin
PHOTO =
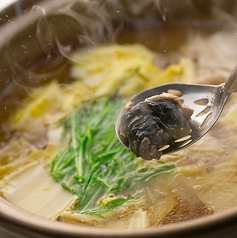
(153, 124)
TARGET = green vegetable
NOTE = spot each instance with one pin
(95, 164)
(109, 206)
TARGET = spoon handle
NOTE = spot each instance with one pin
(231, 83)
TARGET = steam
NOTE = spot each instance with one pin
(87, 24)
(94, 23)
(83, 25)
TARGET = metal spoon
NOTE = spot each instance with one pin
(207, 101)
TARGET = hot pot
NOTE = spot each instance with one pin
(35, 33)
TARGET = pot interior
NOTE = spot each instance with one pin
(40, 37)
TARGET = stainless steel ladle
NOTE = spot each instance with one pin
(207, 101)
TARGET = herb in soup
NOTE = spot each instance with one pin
(96, 165)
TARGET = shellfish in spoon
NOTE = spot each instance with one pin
(154, 123)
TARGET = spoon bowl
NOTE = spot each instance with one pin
(207, 102)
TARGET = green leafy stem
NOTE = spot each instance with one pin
(95, 164)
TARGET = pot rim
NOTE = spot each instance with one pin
(26, 220)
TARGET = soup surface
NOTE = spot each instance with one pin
(65, 163)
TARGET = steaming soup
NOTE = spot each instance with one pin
(64, 154)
